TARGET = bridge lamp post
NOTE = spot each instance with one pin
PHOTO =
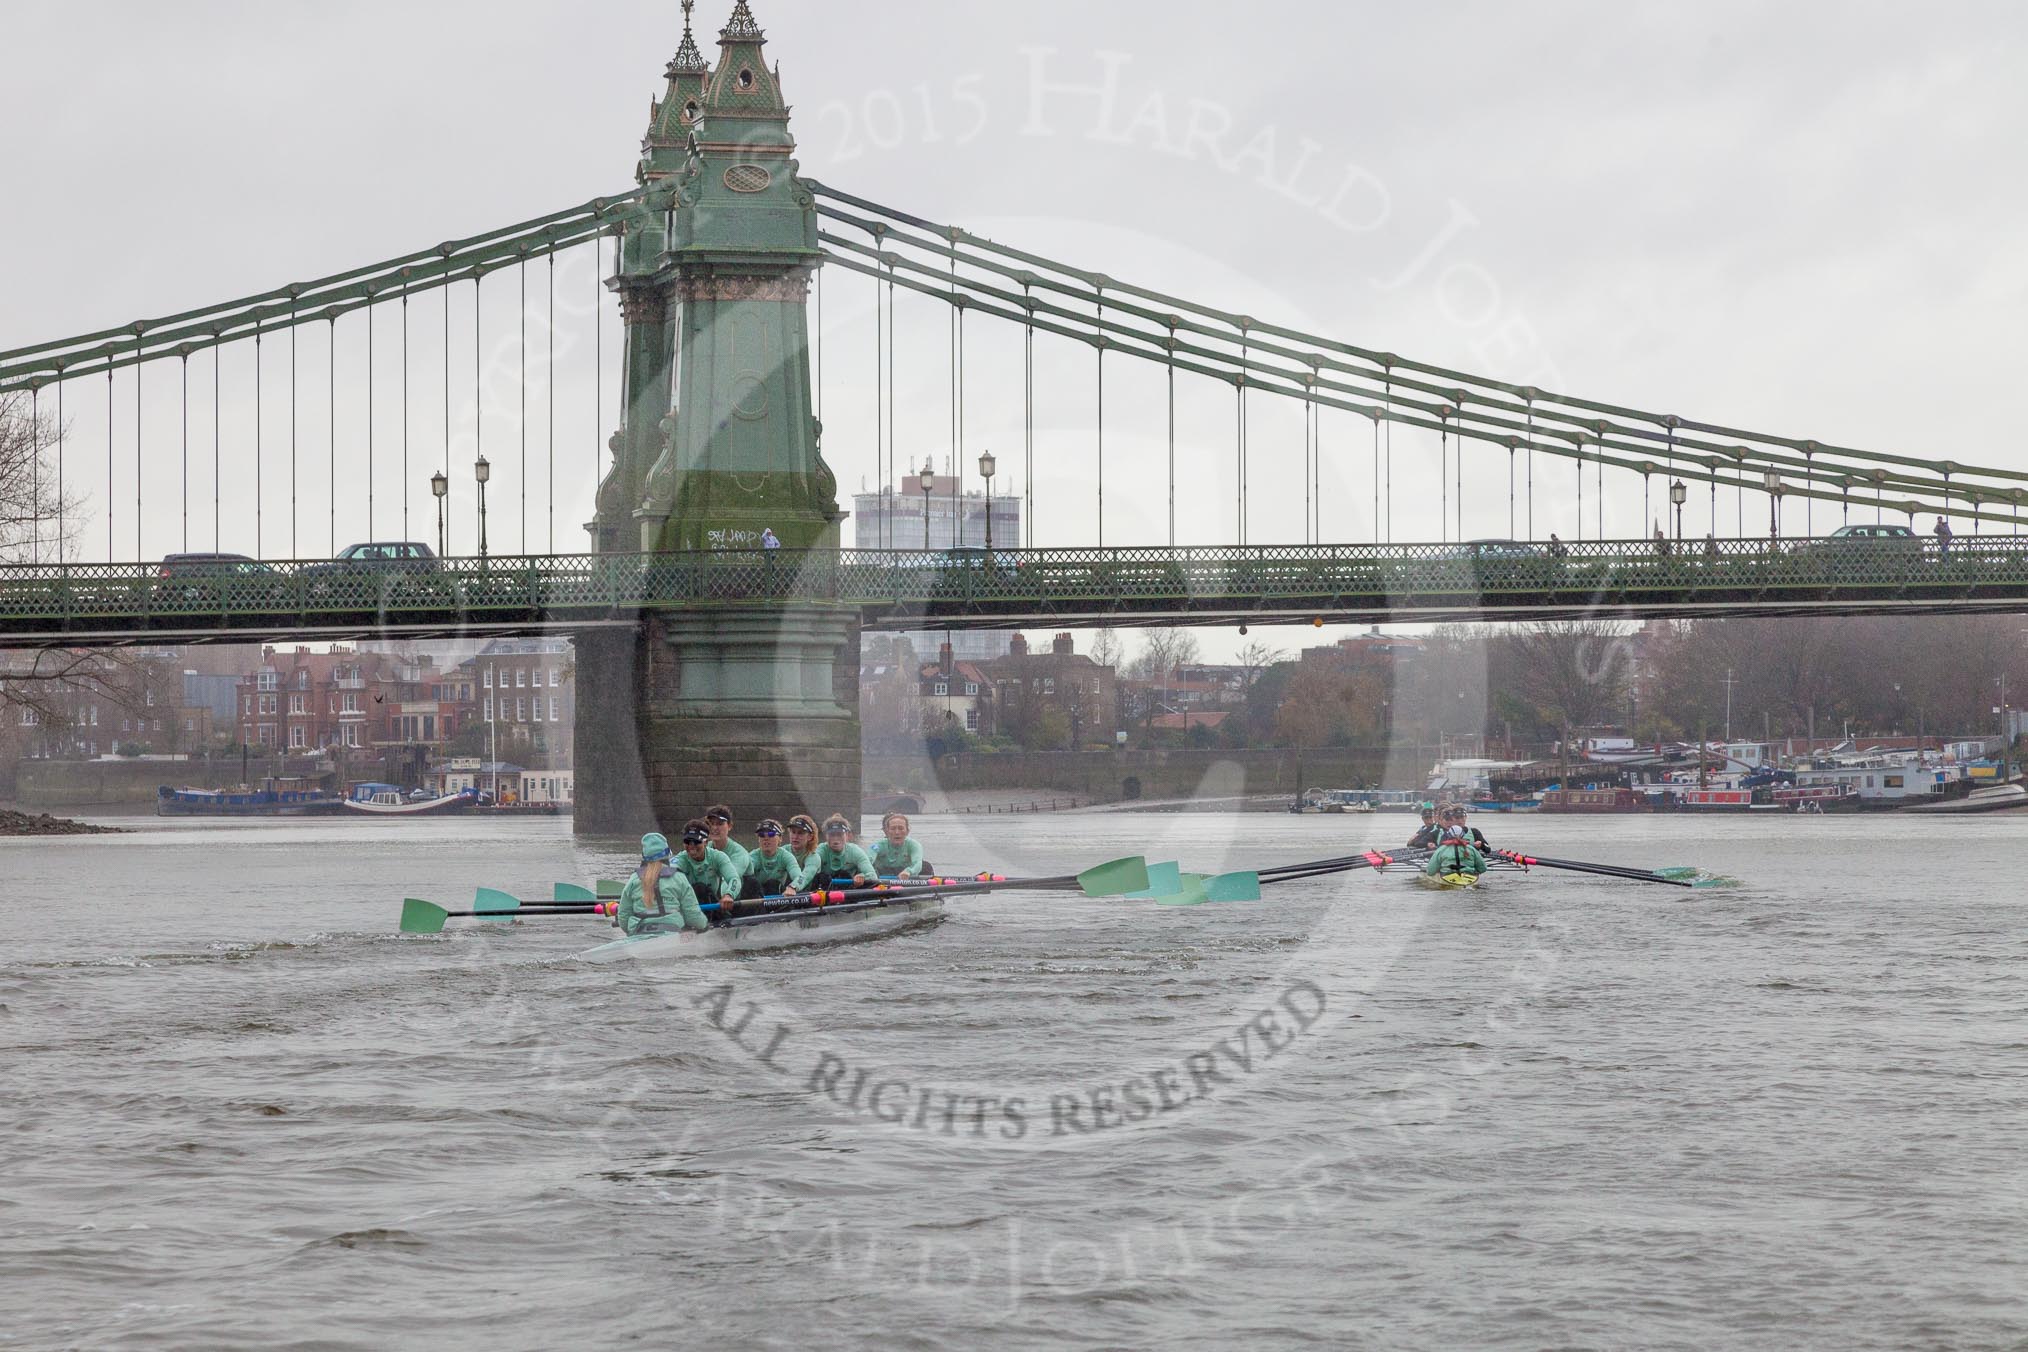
(481, 473)
(987, 464)
(929, 480)
(1678, 495)
(1774, 504)
(440, 488)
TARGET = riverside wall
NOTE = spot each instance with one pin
(1112, 776)
(44, 784)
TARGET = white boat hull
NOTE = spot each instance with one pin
(432, 807)
(811, 927)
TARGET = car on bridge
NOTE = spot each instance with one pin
(959, 571)
(384, 564)
(1877, 536)
(214, 580)
(1868, 544)
(1506, 564)
(400, 556)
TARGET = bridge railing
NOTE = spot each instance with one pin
(956, 582)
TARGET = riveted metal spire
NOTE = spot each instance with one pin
(742, 26)
(688, 59)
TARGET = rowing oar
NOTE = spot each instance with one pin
(1634, 875)
(425, 917)
(1195, 889)
(1112, 879)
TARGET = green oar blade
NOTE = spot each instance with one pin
(1110, 880)
(491, 902)
(609, 890)
(1678, 872)
(1163, 879)
(422, 917)
(1233, 887)
(572, 892)
(1192, 893)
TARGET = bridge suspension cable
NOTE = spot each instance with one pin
(1363, 380)
(255, 319)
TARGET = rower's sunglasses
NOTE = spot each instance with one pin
(695, 838)
(768, 833)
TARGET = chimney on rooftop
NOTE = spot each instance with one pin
(944, 663)
(1063, 647)
(1018, 646)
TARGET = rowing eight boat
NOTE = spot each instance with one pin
(832, 924)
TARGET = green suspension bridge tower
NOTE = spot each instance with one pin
(718, 449)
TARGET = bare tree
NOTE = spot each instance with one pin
(1331, 704)
(42, 688)
(1573, 672)
(1162, 651)
(1253, 659)
(33, 515)
(1106, 648)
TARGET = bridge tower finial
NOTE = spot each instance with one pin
(673, 117)
(742, 26)
(743, 99)
(688, 59)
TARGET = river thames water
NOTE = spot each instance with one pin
(242, 1111)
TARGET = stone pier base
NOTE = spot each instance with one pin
(754, 708)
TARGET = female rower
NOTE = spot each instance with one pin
(770, 870)
(838, 858)
(803, 841)
(1453, 820)
(1427, 836)
(710, 874)
(675, 903)
(718, 822)
(898, 855)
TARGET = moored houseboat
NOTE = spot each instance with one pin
(1596, 800)
(246, 802)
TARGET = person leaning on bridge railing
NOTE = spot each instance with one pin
(1943, 539)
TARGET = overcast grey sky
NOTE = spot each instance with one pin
(1803, 217)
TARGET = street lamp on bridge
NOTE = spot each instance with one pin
(1774, 504)
(481, 472)
(440, 488)
(1678, 495)
(929, 480)
(987, 464)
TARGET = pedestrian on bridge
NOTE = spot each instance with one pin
(1943, 538)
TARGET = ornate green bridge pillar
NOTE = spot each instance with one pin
(718, 451)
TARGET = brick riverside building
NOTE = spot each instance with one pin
(524, 694)
(1024, 686)
(305, 701)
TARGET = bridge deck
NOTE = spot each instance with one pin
(87, 604)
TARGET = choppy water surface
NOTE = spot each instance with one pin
(241, 1111)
